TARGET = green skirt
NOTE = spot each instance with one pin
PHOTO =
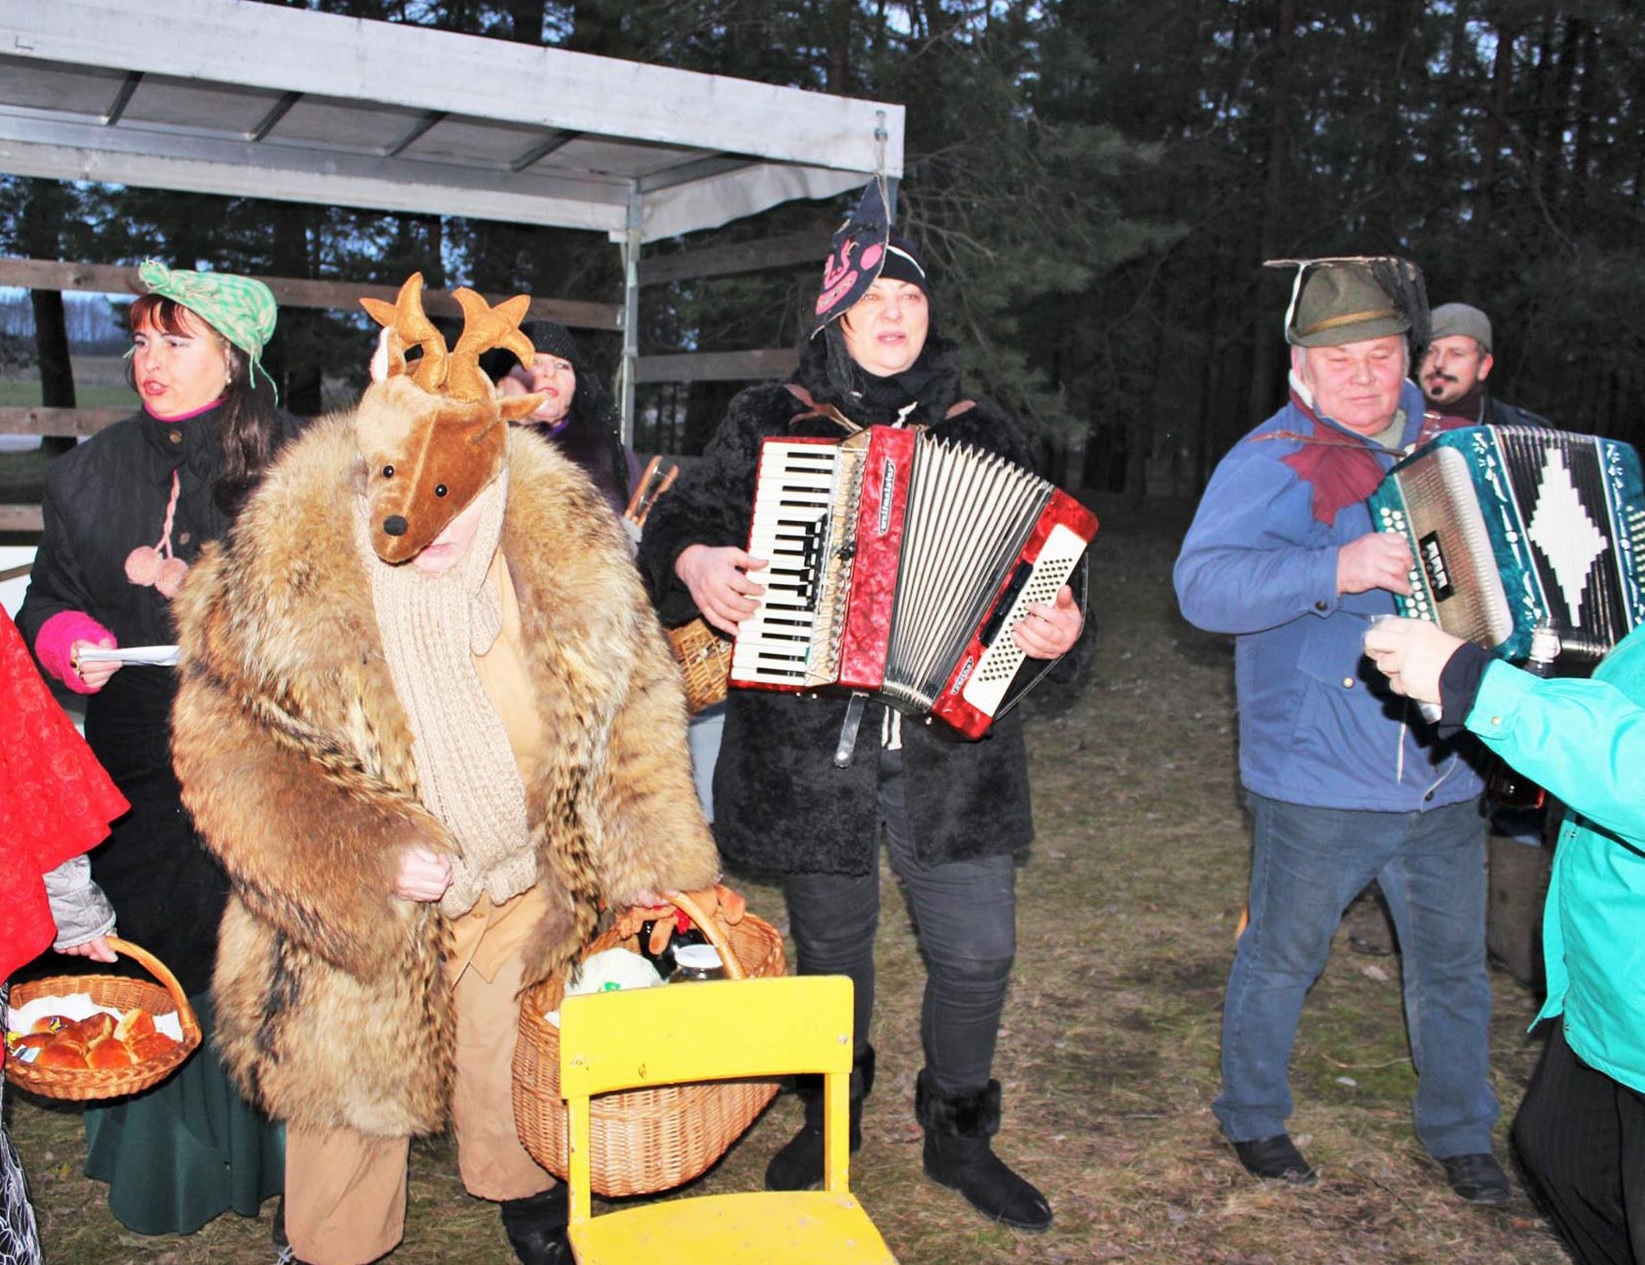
(186, 1151)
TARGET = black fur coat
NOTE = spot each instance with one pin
(780, 803)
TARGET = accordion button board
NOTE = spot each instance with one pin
(1516, 527)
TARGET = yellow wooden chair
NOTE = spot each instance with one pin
(711, 1031)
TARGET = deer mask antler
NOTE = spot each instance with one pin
(485, 327)
(412, 328)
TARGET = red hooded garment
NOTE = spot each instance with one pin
(55, 800)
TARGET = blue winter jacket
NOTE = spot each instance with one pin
(1260, 561)
(1585, 741)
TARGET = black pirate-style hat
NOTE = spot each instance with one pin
(863, 249)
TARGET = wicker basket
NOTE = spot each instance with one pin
(116, 992)
(705, 661)
(645, 1140)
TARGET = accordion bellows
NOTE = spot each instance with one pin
(1515, 527)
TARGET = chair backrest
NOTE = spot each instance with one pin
(724, 1029)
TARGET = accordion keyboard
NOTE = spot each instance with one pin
(794, 528)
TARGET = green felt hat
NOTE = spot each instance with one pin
(1348, 300)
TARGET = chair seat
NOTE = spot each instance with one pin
(768, 1228)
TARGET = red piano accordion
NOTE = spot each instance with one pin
(899, 564)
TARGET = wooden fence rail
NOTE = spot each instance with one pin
(55, 274)
(22, 518)
(29, 419)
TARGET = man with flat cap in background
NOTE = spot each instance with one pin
(1457, 362)
(1341, 789)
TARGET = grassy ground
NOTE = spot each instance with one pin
(1109, 1053)
(99, 382)
(24, 394)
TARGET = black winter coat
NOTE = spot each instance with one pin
(593, 444)
(103, 500)
(1496, 413)
(780, 803)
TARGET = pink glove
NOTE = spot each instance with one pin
(53, 647)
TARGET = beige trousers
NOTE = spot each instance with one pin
(346, 1191)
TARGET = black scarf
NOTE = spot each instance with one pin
(932, 382)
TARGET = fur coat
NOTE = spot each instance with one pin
(295, 756)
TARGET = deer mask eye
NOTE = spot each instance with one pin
(388, 472)
(440, 489)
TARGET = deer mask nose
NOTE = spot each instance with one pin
(394, 525)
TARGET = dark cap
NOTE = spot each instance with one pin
(1460, 318)
(1338, 301)
(550, 338)
(903, 263)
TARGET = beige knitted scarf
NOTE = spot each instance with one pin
(432, 626)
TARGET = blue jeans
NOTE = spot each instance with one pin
(1306, 865)
(965, 917)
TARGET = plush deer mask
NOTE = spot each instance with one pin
(430, 432)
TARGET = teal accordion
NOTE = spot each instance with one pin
(1515, 527)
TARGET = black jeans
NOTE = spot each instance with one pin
(1581, 1136)
(965, 917)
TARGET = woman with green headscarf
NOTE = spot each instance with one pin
(125, 514)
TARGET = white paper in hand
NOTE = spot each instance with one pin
(150, 656)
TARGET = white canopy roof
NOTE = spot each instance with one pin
(232, 97)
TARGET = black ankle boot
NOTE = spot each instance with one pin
(958, 1155)
(535, 1227)
(799, 1165)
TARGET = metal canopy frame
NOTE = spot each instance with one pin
(254, 100)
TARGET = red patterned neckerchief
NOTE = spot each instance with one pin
(1341, 469)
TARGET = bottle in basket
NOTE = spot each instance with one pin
(696, 962)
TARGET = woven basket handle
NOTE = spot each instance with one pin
(155, 967)
(712, 929)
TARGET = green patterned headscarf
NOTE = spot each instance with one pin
(241, 309)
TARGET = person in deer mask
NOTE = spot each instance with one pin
(429, 724)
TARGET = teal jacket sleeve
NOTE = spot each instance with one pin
(1584, 740)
